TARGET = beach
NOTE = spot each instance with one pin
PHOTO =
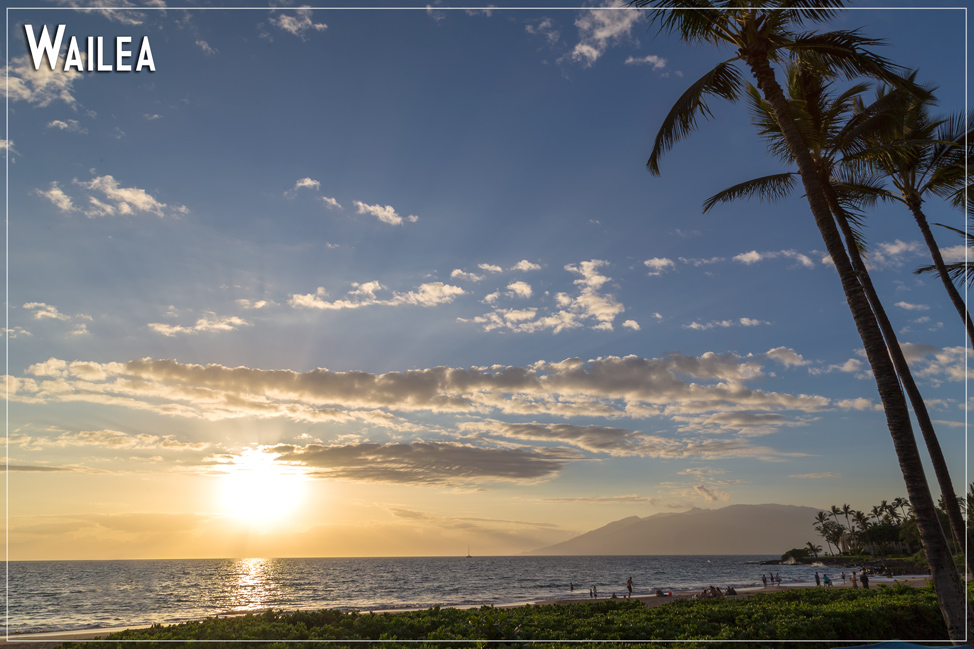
(54, 639)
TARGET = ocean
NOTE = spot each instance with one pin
(46, 596)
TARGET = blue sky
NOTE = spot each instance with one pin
(405, 271)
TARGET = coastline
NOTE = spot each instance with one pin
(52, 639)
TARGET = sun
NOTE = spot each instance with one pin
(260, 490)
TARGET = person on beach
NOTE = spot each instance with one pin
(629, 586)
(843, 576)
(595, 592)
(778, 577)
(590, 593)
(818, 581)
(571, 587)
(764, 580)
(864, 579)
(828, 581)
(855, 584)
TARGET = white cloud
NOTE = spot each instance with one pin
(435, 15)
(786, 356)
(912, 307)
(893, 254)
(207, 49)
(44, 311)
(210, 322)
(57, 196)
(386, 214)
(723, 324)
(491, 268)
(599, 28)
(363, 295)
(953, 254)
(520, 289)
(463, 275)
(659, 264)
(631, 324)
(70, 125)
(544, 27)
(330, 203)
(754, 256)
(122, 200)
(701, 262)
(299, 23)
(523, 265)
(41, 87)
(302, 183)
(657, 62)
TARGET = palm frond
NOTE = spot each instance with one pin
(846, 52)
(693, 20)
(723, 81)
(957, 271)
(813, 10)
(769, 188)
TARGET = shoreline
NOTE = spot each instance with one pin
(52, 639)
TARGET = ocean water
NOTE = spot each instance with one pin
(69, 595)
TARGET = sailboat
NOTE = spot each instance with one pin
(468, 551)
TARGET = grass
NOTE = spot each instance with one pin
(855, 616)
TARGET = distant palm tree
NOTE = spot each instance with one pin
(813, 549)
(835, 514)
(822, 528)
(846, 510)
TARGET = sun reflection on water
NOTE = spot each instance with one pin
(252, 589)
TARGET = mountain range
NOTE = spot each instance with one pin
(735, 529)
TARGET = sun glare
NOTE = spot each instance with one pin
(258, 489)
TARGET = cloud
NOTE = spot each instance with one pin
(631, 324)
(302, 183)
(114, 440)
(363, 295)
(207, 323)
(952, 254)
(42, 311)
(118, 200)
(590, 307)
(386, 214)
(599, 28)
(912, 307)
(463, 275)
(40, 87)
(545, 28)
(696, 392)
(693, 261)
(207, 49)
(71, 125)
(754, 257)
(816, 476)
(657, 62)
(886, 255)
(118, 14)
(711, 495)
(786, 356)
(491, 268)
(723, 324)
(424, 463)
(330, 203)
(937, 364)
(520, 289)
(523, 265)
(659, 264)
(299, 23)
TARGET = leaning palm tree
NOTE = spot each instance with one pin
(958, 270)
(813, 549)
(921, 156)
(835, 128)
(762, 34)
(846, 510)
(823, 528)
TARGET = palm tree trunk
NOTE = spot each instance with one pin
(938, 261)
(949, 588)
(906, 377)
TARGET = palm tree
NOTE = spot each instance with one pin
(813, 549)
(835, 514)
(763, 33)
(834, 128)
(921, 155)
(958, 270)
(846, 510)
(823, 528)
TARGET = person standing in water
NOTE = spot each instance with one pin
(629, 586)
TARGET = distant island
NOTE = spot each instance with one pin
(735, 529)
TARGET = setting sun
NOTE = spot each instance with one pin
(258, 489)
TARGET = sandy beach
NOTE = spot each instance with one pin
(54, 639)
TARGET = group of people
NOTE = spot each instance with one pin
(593, 592)
(772, 578)
(827, 580)
(711, 592)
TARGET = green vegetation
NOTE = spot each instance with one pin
(899, 612)
(888, 528)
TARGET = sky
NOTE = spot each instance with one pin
(396, 281)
